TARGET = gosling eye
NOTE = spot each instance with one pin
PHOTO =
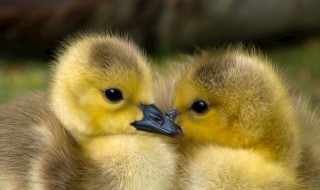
(113, 94)
(199, 107)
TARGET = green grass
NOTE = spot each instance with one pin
(18, 78)
(300, 62)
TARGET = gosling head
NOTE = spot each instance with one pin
(102, 85)
(236, 99)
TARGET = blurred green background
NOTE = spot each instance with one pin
(286, 31)
(300, 62)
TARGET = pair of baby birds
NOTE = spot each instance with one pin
(95, 128)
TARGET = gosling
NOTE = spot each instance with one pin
(85, 133)
(233, 106)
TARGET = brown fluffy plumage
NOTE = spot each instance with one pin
(35, 148)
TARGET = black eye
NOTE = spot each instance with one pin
(113, 94)
(199, 107)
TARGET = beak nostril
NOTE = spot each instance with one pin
(157, 119)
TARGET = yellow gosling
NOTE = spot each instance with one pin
(237, 100)
(85, 133)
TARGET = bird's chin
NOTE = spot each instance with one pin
(131, 130)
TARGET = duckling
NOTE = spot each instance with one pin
(237, 100)
(86, 132)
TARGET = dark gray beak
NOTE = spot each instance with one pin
(172, 114)
(155, 121)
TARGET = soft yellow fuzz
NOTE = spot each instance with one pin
(86, 68)
(248, 105)
(124, 157)
(82, 133)
(218, 168)
(254, 134)
(134, 161)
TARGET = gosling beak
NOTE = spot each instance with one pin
(155, 121)
(172, 114)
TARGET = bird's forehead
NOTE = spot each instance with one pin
(223, 75)
(211, 76)
(107, 55)
(112, 62)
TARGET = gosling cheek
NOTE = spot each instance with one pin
(131, 114)
(134, 115)
(182, 119)
(139, 115)
(182, 123)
